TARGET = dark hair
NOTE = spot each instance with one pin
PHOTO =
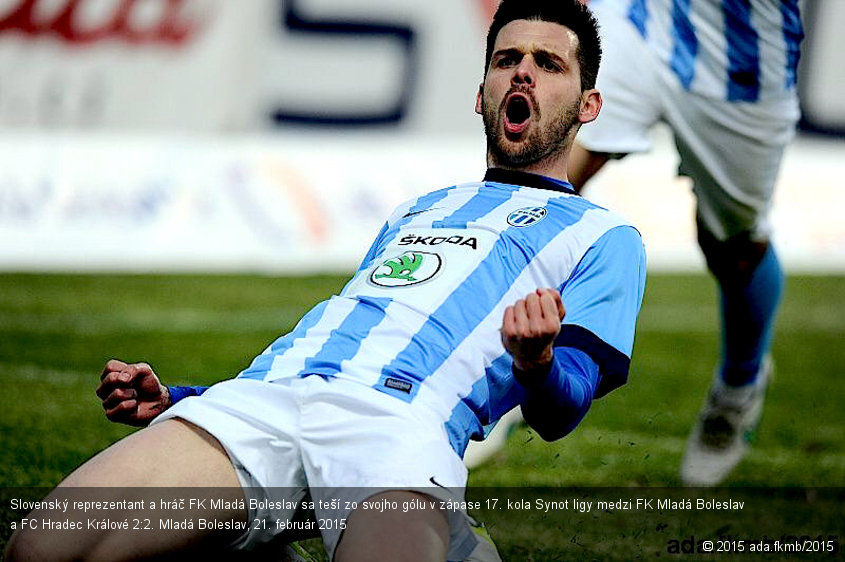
(570, 13)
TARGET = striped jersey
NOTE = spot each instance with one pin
(737, 50)
(420, 319)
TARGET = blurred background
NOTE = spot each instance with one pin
(276, 135)
(180, 180)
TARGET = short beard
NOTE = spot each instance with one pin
(540, 144)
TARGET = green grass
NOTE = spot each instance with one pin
(57, 331)
(635, 436)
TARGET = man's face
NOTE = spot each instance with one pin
(531, 98)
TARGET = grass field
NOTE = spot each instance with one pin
(56, 332)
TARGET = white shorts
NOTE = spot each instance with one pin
(731, 150)
(330, 439)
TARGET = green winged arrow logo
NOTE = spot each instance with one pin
(402, 267)
(406, 269)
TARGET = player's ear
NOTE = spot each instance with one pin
(590, 105)
(478, 97)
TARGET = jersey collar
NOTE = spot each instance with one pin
(514, 177)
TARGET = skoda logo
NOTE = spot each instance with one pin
(526, 216)
(406, 269)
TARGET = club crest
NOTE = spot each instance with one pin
(526, 216)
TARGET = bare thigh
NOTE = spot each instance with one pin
(416, 535)
(172, 454)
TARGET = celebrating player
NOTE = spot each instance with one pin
(473, 300)
(722, 75)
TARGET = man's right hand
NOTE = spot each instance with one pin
(132, 394)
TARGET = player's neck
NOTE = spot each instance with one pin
(527, 179)
(554, 172)
(554, 166)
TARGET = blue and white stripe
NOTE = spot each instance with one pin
(556, 260)
(447, 354)
(738, 50)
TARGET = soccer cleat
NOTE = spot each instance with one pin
(724, 430)
(485, 550)
(479, 452)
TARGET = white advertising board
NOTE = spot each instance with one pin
(141, 203)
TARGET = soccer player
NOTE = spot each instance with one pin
(723, 76)
(473, 299)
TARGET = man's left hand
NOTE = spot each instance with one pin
(529, 329)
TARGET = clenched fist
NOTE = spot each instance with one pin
(131, 394)
(529, 329)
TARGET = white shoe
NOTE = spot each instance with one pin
(725, 428)
(479, 452)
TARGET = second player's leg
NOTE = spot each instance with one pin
(733, 152)
(751, 282)
(171, 454)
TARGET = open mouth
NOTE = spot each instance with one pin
(517, 114)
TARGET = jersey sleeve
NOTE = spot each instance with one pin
(602, 298)
(178, 393)
(561, 401)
